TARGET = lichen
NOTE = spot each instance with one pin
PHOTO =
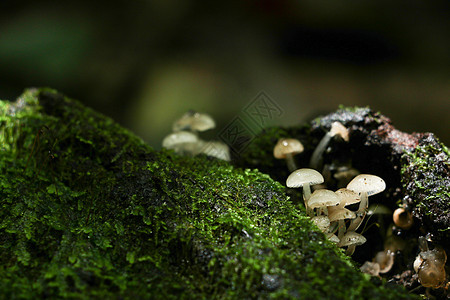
(90, 211)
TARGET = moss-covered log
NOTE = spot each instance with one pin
(87, 210)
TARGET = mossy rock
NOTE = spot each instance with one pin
(90, 211)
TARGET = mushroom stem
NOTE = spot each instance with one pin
(290, 162)
(350, 250)
(306, 196)
(316, 158)
(342, 229)
(360, 213)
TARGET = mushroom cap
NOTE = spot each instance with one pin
(194, 121)
(371, 184)
(402, 218)
(352, 238)
(385, 259)
(304, 176)
(332, 237)
(338, 129)
(347, 197)
(177, 138)
(322, 222)
(340, 213)
(216, 149)
(287, 146)
(371, 268)
(323, 198)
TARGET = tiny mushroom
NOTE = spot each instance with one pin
(371, 268)
(337, 129)
(430, 265)
(403, 218)
(286, 149)
(194, 121)
(304, 178)
(181, 142)
(322, 222)
(365, 185)
(215, 149)
(351, 239)
(385, 259)
(321, 199)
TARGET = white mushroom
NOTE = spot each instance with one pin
(385, 259)
(365, 185)
(304, 178)
(215, 149)
(322, 222)
(286, 149)
(194, 121)
(321, 199)
(351, 239)
(371, 268)
(181, 142)
(337, 129)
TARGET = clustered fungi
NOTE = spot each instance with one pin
(184, 139)
(327, 208)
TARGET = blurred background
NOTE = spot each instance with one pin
(145, 63)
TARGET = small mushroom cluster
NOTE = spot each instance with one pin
(327, 208)
(185, 140)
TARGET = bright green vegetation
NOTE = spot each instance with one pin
(87, 210)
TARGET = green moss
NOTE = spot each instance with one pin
(426, 178)
(89, 211)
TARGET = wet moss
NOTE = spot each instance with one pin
(89, 211)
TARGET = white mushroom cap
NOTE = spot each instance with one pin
(352, 238)
(194, 121)
(340, 213)
(371, 268)
(286, 147)
(385, 259)
(181, 137)
(347, 197)
(304, 176)
(322, 222)
(216, 149)
(370, 184)
(323, 198)
(338, 129)
(332, 237)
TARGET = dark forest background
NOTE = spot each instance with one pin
(145, 63)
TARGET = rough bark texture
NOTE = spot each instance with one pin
(87, 210)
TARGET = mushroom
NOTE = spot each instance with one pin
(215, 149)
(351, 239)
(385, 260)
(340, 213)
(337, 129)
(194, 121)
(286, 149)
(371, 268)
(304, 178)
(321, 199)
(365, 185)
(403, 218)
(322, 222)
(181, 142)
(430, 265)
(332, 237)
